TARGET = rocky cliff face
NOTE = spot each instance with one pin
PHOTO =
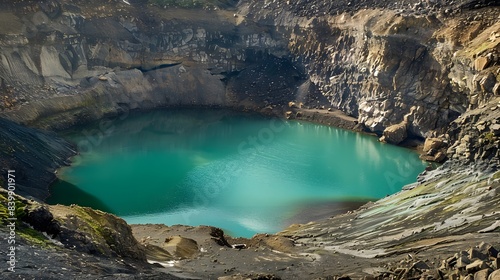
(65, 62)
(418, 65)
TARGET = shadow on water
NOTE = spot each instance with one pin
(65, 193)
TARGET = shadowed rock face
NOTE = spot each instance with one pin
(389, 66)
(34, 155)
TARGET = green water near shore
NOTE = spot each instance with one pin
(243, 173)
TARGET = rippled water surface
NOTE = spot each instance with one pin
(243, 173)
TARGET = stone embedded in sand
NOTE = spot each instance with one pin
(275, 242)
(181, 247)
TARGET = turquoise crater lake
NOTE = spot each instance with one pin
(241, 172)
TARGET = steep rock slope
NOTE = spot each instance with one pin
(421, 67)
(68, 62)
(33, 155)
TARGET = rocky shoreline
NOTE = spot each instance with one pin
(371, 241)
(410, 232)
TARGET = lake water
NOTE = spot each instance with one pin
(244, 173)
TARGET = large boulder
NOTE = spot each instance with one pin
(95, 232)
(495, 275)
(395, 134)
(432, 144)
(482, 63)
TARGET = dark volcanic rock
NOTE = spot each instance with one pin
(34, 155)
(42, 220)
